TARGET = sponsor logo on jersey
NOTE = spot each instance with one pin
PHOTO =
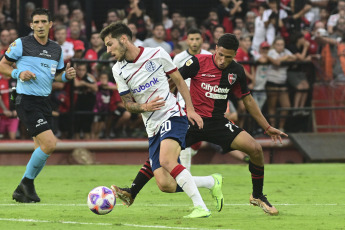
(145, 86)
(215, 88)
(215, 92)
(150, 66)
(232, 78)
(45, 53)
(208, 75)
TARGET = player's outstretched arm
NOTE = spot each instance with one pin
(255, 111)
(183, 89)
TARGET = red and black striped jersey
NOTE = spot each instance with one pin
(210, 86)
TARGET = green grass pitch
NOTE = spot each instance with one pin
(308, 196)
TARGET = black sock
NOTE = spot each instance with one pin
(143, 176)
(257, 179)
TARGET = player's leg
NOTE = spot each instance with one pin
(246, 143)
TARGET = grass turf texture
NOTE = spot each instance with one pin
(308, 196)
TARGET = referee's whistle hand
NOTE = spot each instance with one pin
(27, 75)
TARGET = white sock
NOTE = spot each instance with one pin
(186, 158)
(193, 152)
(186, 182)
(204, 181)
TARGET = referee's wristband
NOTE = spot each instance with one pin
(15, 73)
(63, 77)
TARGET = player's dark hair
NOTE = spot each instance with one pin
(228, 41)
(116, 30)
(193, 31)
(41, 11)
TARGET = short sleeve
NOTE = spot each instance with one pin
(14, 51)
(120, 82)
(190, 68)
(167, 64)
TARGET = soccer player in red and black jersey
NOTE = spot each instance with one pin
(213, 78)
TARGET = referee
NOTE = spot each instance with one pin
(39, 62)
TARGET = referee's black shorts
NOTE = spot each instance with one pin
(35, 112)
(219, 131)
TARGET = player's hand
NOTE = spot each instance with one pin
(27, 76)
(194, 117)
(275, 134)
(154, 105)
(70, 72)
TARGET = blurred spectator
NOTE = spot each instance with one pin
(244, 55)
(226, 12)
(314, 14)
(135, 12)
(29, 8)
(176, 18)
(296, 73)
(97, 48)
(276, 86)
(174, 37)
(238, 33)
(217, 33)
(332, 21)
(158, 38)
(261, 57)
(250, 17)
(239, 24)
(102, 105)
(64, 13)
(135, 40)
(78, 15)
(74, 33)
(86, 88)
(112, 16)
(269, 17)
(296, 11)
(5, 8)
(5, 41)
(8, 120)
(67, 47)
(79, 49)
(166, 20)
(260, 29)
(13, 34)
(324, 15)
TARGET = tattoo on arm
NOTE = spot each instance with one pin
(130, 105)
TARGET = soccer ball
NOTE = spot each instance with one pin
(101, 200)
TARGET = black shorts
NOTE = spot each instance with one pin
(35, 112)
(219, 131)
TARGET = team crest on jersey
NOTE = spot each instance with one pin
(13, 44)
(150, 66)
(232, 78)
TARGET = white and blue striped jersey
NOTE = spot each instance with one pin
(145, 78)
(42, 60)
(179, 60)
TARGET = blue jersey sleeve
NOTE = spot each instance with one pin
(14, 51)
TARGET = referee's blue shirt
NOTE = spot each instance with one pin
(42, 60)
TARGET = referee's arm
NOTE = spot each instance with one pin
(67, 75)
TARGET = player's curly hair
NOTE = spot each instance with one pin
(116, 30)
(228, 41)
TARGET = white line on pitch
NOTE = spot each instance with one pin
(164, 205)
(103, 224)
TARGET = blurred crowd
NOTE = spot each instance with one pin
(308, 34)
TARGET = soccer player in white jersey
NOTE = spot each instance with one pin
(194, 41)
(140, 74)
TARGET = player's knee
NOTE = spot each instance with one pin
(257, 151)
(48, 146)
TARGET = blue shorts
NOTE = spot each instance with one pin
(174, 128)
